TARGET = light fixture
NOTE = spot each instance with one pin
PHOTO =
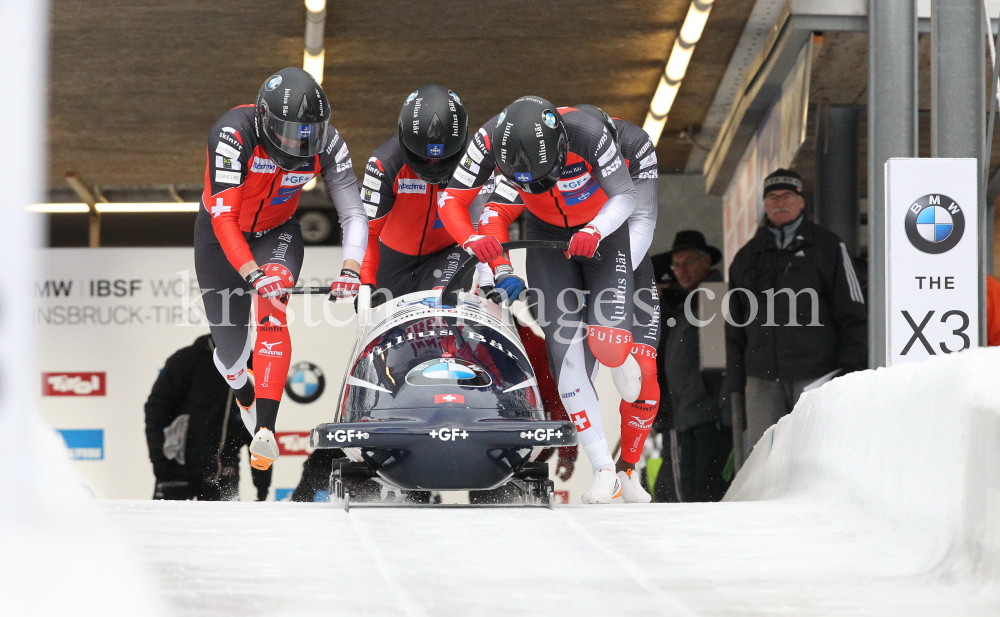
(676, 68)
(313, 57)
(313, 64)
(115, 208)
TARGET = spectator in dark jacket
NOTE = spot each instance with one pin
(803, 316)
(699, 441)
(194, 431)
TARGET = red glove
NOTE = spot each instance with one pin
(346, 285)
(485, 248)
(267, 285)
(584, 242)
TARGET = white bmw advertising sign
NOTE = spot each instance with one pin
(932, 273)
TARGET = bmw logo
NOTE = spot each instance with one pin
(455, 96)
(273, 83)
(503, 114)
(305, 383)
(549, 119)
(410, 98)
(934, 224)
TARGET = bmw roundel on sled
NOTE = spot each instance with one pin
(440, 395)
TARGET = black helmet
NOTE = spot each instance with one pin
(605, 119)
(530, 144)
(291, 118)
(433, 129)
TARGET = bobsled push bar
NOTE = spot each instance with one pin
(404, 434)
(449, 296)
(451, 291)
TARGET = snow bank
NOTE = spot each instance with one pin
(909, 455)
(60, 556)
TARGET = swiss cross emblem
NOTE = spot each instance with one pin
(449, 398)
(581, 420)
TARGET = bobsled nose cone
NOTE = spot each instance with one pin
(628, 379)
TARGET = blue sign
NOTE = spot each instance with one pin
(84, 444)
(305, 131)
(435, 149)
(522, 176)
(283, 494)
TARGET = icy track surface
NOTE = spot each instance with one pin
(734, 558)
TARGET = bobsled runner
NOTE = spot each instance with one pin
(439, 395)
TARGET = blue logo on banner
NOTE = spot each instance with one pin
(84, 444)
(522, 176)
(283, 494)
(435, 149)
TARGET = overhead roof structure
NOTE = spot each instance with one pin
(136, 85)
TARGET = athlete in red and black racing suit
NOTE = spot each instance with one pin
(585, 198)
(247, 217)
(409, 248)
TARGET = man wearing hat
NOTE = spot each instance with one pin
(808, 322)
(699, 443)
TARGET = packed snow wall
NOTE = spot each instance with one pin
(908, 454)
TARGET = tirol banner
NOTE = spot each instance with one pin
(932, 273)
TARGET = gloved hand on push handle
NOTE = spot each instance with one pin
(485, 248)
(267, 285)
(584, 242)
(346, 285)
(508, 286)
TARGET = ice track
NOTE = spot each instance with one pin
(751, 558)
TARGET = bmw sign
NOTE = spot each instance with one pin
(931, 263)
(305, 383)
(934, 224)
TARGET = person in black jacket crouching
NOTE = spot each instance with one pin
(699, 440)
(801, 318)
(194, 430)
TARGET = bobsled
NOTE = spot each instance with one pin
(439, 394)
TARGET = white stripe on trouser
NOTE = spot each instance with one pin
(852, 278)
(574, 382)
(239, 365)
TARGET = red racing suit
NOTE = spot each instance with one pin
(247, 213)
(405, 231)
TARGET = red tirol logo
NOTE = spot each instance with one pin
(581, 420)
(449, 398)
(293, 443)
(73, 384)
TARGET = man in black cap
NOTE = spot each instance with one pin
(802, 318)
(699, 442)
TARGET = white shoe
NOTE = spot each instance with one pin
(632, 489)
(606, 487)
(628, 379)
(263, 450)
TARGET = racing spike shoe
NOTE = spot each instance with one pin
(263, 450)
(628, 379)
(606, 487)
(632, 490)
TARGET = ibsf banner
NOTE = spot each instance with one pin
(107, 320)
(932, 248)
